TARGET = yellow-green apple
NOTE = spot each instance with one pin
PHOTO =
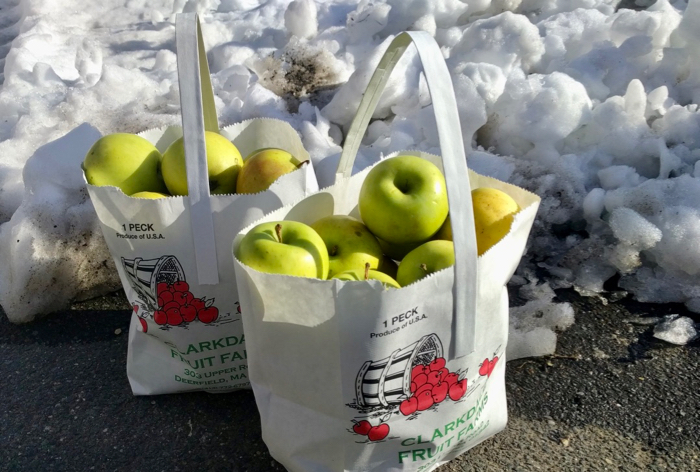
(445, 231)
(349, 242)
(493, 215)
(124, 160)
(263, 167)
(404, 200)
(223, 164)
(424, 260)
(367, 274)
(151, 195)
(284, 247)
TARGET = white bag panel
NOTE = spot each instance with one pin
(159, 241)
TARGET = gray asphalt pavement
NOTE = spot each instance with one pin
(613, 398)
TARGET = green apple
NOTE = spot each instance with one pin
(151, 195)
(404, 200)
(398, 251)
(223, 164)
(284, 247)
(367, 274)
(424, 260)
(493, 215)
(263, 167)
(349, 242)
(388, 266)
(124, 160)
(445, 231)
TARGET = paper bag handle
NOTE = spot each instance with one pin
(454, 164)
(198, 114)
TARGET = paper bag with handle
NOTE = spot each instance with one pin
(173, 254)
(352, 375)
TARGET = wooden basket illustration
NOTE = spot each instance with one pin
(146, 274)
(388, 381)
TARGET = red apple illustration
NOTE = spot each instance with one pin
(418, 369)
(488, 366)
(181, 286)
(170, 305)
(166, 297)
(443, 373)
(362, 427)
(484, 369)
(188, 312)
(434, 377)
(179, 298)
(451, 379)
(208, 314)
(425, 400)
(188, 297)
(160, 317)
(162, 287)
(437, 364)
(426, 387)
(136, 309)
(198, 303)
(420, 379)
(379, 432)
(413, 387)
(458, 390)
(492, 365)
(144, 325)
(409, 406)
(174, 316)
(440, 391)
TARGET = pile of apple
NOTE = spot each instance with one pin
(405, 233)
(431, 384)
(133, 164)
(177, 305)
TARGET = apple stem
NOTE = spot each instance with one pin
(366, 270)
(424, 267)
(302, 163)
(278, 230)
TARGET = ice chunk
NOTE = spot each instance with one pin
(533, 325)
(535, 113)
(569, 35)
(507, 40)
(613, 177)
(405, 14)
(367, 20)
(632, 228)
(678, 248)
(540, 9)
(593, 204)
(679, 125)
(625, 257)
(676, 329)
(300, 18)
(534, 343)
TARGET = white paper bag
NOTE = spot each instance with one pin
(185, 242)
(337, 367)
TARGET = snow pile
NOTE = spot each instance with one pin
(592, 107)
